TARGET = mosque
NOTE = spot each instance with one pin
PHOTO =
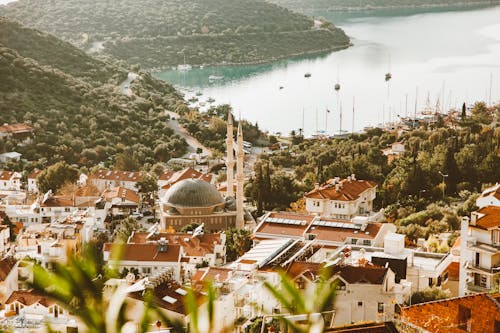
(197, 201)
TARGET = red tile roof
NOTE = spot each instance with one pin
(58, 201)
(443, 315)
(214, 274)
(187, 173)
(307, 269)
(198, 246)
(29, 297)
(121, 192)
(6, 266)
(164, 290)
(117, 175)
(7, 175)
(144, 252)
(370, 274)
(491, 218)
(344, 190)
(16, 128)
(34, 174)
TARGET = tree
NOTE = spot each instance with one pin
(147, 186)
(238, 242)
(429, 294)
(125, 228)
(55, 176)
(126, 162)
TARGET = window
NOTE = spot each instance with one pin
(360, 303)
(464, 318)
(431, 283)
(380, 307)
(367, 242)
(495, 237)
(354, 241)
(478, 256)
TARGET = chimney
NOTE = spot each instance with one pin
(349, 179)
(316, 186)
(353, 177)
(473, 216)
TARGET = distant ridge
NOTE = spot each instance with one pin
(157, 34)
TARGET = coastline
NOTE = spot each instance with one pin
(257, 62)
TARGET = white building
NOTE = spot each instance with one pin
(326, 233)
(10, 181)
(8, 278)
(32, 181)
(480, 251)
(421, 269)
(147, 259)
(10, 157)
(197, 249)
(103, 179)
(367, 293)
(489, 197)
(342, 198)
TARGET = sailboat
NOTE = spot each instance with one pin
(184, 67)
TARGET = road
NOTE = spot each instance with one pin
(193, 144)
(125, 85)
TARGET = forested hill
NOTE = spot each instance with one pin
(338, 5)
(74, 102)
(156, 33)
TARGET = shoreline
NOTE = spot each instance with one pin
(423, 6)
(257, 62)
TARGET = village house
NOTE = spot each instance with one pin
(121, 201)
(8, 279)
(108, 179)
(480, 251)
(489, 197)
(421, 269)
(11, 156)
(10, 181)
(395, 150)
(198, 249)
(147, 259)
(365, 292)
(474, 313)
(32, 181)
(20, 133)
(343, 198)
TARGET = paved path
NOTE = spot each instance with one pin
(125, 85)
(193, 143)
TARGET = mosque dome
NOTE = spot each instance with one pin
(193, 193)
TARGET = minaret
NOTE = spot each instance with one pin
(230, 156)
(240, 178)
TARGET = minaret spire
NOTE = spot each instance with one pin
(240, 178)
(230, 156)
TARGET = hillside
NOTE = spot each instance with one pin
(156, 33)
(74, 103)
(307, 6)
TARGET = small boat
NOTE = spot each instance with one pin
(388, 76)
(337, 87)
(307, 74)
(199, 93)
(215, 77)
(210, 100)
(281, 87)
(184, 67)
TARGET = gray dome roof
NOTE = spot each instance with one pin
(193, 193)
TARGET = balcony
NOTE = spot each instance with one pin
(477, 289)
(490, 271)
